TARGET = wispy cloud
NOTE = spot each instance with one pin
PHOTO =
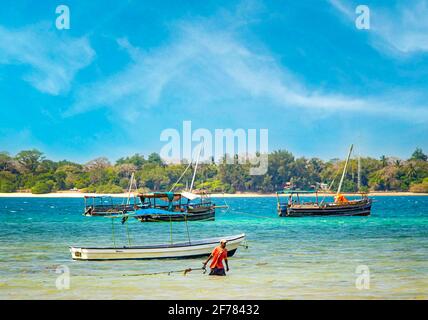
(214, 66)
(52, 59)
(399, 30)
(404, 29)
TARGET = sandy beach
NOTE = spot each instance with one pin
(76, 194)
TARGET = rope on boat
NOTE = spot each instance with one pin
(112, 232)
(244, 244)
(127, 232)
(170, 228)
(184, 271)
(180, 177)
(227, 206)
(187, 227)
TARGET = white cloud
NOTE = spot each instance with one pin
(214, 66)
(398, 30)
(53, 58)
(405, 29)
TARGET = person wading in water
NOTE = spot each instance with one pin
(218, 255)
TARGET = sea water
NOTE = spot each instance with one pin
(384, 255)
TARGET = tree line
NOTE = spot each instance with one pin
(31, 171)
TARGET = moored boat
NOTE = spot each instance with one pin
(106, 205)
(341, 206)
(174, 207)
(345, 207)
(188, 249)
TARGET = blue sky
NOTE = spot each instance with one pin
(126, 70)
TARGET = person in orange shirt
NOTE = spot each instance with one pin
(218, 255)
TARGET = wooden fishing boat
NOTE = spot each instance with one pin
(188, 249)
(341, 206)
(175, 217)
(174, 207)
(105, 205)
(297, 208)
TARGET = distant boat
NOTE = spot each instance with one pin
(294, 207)
(189, 249)
(155, 207)
(106, 205)
(174, 207)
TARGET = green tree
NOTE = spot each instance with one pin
(137, 160)
(7, 182)
(42, 187)
(29, 159)
(154, 158)
(6, 162)
(419, 155)
(154, 177)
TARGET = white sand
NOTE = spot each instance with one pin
(75, 194)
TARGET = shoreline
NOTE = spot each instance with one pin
(75, 194)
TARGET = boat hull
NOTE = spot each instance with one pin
(205, 215)
(107, 210)
(193, 249)
(358, 208)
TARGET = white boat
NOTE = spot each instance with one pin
(197, 248)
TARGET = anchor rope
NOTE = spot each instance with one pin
(170, 228)
(112, 232)
(184, 271)
(127, 232)
(187, 227)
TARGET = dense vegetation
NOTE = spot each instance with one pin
(29, 170)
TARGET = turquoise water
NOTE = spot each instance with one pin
(306, 258)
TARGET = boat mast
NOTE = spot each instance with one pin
(344, 170)
(359, 173)
(131, 182)
(196, 167)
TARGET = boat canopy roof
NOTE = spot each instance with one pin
(97, 196)
(171, 196)
(296, 191)
(190, 195)
(157, 195)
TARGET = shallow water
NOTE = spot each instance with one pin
(287, 258)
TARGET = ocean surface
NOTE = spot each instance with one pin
(383, 256)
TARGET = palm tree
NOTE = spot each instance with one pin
(384, 161)
(411, 171)
(397, 163)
